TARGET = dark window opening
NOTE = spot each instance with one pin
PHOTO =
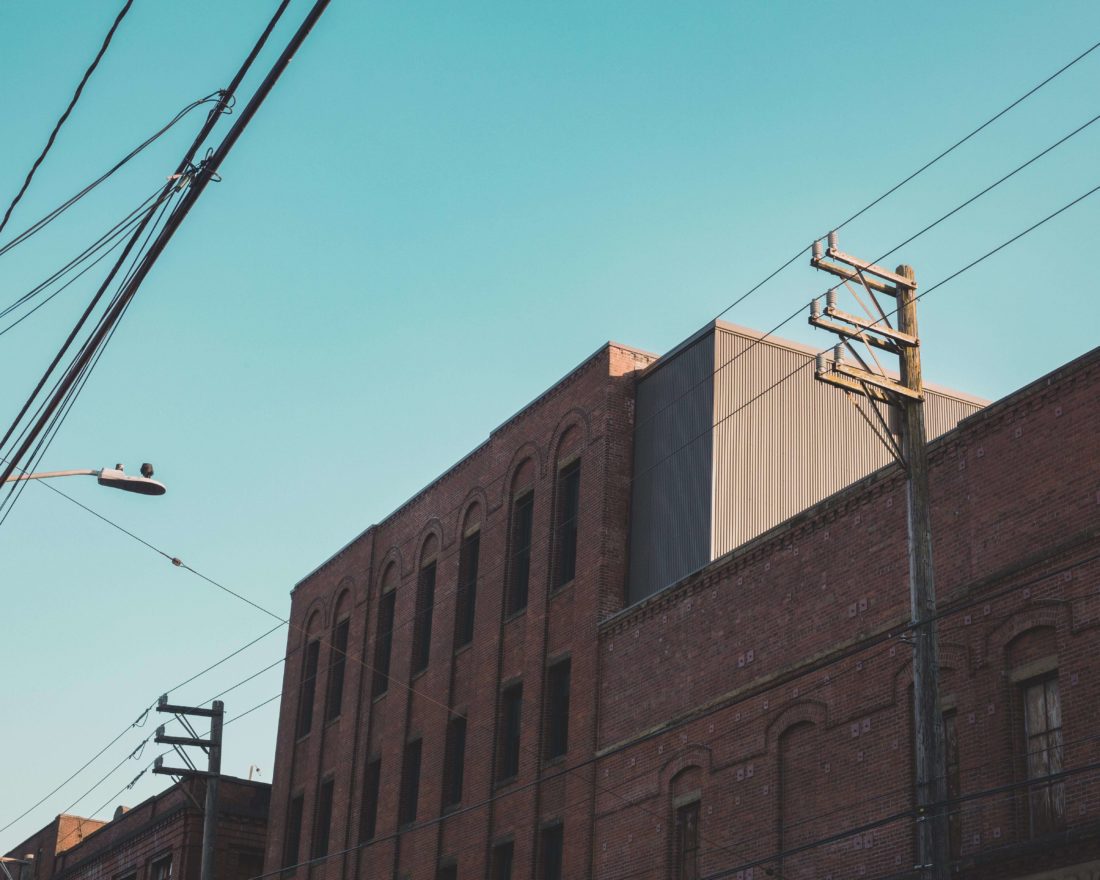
(520, 572)
(322, 820)
(556, 738)
(550, 849)
(293, 839)
(501, 866)
(565, 528)
(686, 856)
(368, 815)
(308, 690)
(334, 702)
(466, 601)
(410, 784)
(954, 785)
(422, 626)
(447, 871)
(1043, 736)
(383, 643)
(511, 714)
(161, 869)
(454, 762)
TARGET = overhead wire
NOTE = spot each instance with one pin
(69, 109)
(52, 215)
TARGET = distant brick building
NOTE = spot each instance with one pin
(34, 858)
(470, 693)
(160, 838)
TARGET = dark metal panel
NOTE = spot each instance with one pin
(673, 443)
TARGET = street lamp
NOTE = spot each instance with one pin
(114, 477)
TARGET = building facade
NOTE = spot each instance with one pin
(161, 838)
(475, 689)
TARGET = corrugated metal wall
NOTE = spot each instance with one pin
(671, 493)
(793, 445)
(769, 453)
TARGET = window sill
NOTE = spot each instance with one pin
(462, 649)
(377, 697)
(554, 761)
(504, 783)
(418, 674)
(331, 721)
(302, 737)
(450, 808)
(515, 615)
(561, 589)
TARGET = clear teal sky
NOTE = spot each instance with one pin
(440, 210)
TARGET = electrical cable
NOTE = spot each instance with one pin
(72, 103)
(52, 215)
(801, 309)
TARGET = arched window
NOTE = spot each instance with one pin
(466, 594)
(383, 639)
(334, 697)
(425, 602)
(686, 790)
(519, 538)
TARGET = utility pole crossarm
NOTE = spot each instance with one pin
(934, 859)
(212, 745)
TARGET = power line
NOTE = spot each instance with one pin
(72, 103)
(52, 215)
(918, 172)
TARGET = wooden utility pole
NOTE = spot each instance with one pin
(875, 332)
(212, 745)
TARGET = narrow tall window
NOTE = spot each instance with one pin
(1043, 735)
(550, 849)
(368, 815)
(454, 762)
(466, 600)
(501, 864)
(520, 573)
(293, 839)
(686, 845)
(954, 787)
(308, 690)
(334, 702)
(556, 738)
(383, 643)
(410, 784)
(447, 871)
(161, 869)
(565, 525)
(422, 626)
(511, 714)
(322, 820)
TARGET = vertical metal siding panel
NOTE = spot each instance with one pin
(670, 503)
(791, 446)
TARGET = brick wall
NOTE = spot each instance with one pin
(770, 675)
(588, 414)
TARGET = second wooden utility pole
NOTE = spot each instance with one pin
(875, 332)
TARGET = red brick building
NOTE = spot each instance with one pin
(34, 858)
(467, 694)
(160, 838)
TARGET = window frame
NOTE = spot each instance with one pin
(466, 594)
(685, 861)
(566, 522)
(409, 796)
(1053, 792)
(509, 733)
(368, 800)
(454, 762)
(334, 695)
(555, 740)
(292, 836)
(422, 621)
(521, 533)
(383, 641)
(555, 833)
(322, 819)
(307, 688)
